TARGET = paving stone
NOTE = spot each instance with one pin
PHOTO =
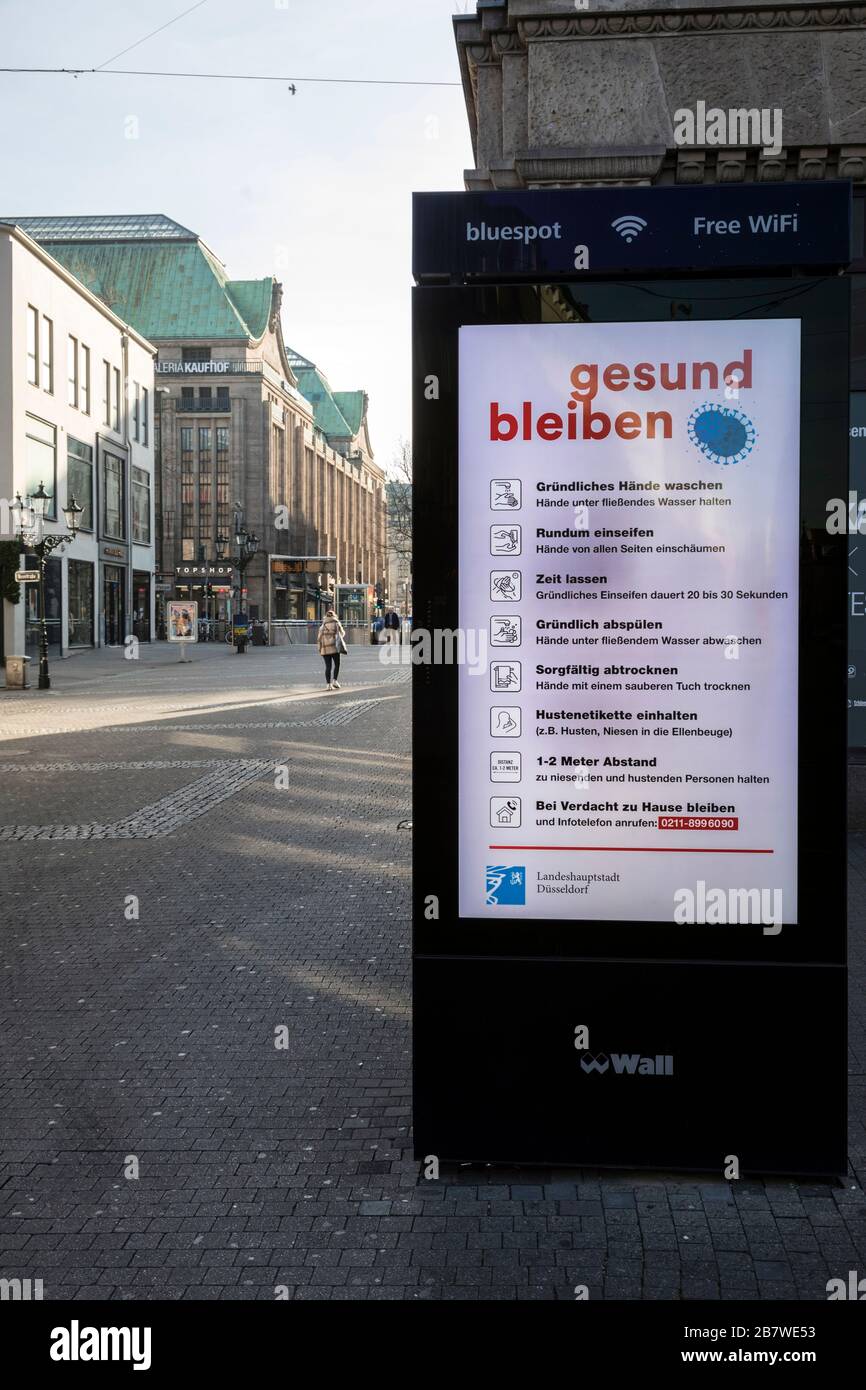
(262, 909)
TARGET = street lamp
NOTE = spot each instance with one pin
(31, 539)
(220, 545)
(246, 545)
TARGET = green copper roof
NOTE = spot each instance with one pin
(351, 405)
(328, 416)
(252, 299)
(165, 285)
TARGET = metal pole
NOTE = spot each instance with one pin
(240, 644)
(44, 679)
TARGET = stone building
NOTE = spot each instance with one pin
(235, 429)
(76, 416)
(559, 93)
(398, 589)
(342, 468)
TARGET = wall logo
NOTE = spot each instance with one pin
(628, 1064)
(721, 432)
(628, 226)
(506, 885)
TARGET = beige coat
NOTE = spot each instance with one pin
(327, 639)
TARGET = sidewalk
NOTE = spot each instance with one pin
(244, 1034)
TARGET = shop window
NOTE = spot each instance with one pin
(80, 582)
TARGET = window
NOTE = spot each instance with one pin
(195, 354)
(84, 383)
(222, 480)
(141, 506)
(32, 345)
(144, 415)
(72, 371)
(115, 400)
(79, 479)
(205, 483)
(113, 498)
(80, 589)
(106, 393)
(136, 402)
(41, 460)
(47, 355)
(187, 397)
(187, 486)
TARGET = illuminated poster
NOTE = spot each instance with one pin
(629, 503)
(182, 619)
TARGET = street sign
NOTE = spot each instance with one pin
(26, 576)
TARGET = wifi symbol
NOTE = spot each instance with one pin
(629, 226)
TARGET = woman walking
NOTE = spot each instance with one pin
(331, 642)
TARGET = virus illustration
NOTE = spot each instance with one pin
(722, 433)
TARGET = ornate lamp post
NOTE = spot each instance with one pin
(221, 544)
(31, 538)
(246, 545)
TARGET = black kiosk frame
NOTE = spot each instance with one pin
(756, 1024)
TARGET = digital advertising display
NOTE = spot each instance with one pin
(629, 759)
(856, 510)
(629, 549)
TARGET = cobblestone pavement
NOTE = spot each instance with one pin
(212, 988)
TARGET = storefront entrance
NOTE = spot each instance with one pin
(113, 605)
(141, 605)
(80, 579)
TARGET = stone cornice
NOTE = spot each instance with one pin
(610, 24)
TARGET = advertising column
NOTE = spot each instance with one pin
(629, 503)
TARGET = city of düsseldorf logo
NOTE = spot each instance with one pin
(505, 885)
(721, 432)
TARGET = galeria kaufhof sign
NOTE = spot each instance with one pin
(563, 232)
(221, 368)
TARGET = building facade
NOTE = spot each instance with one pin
(693, 92)
(238, 438)
(76, 415)
(560, 93)
(399, 584)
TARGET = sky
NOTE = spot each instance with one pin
(313, 188)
